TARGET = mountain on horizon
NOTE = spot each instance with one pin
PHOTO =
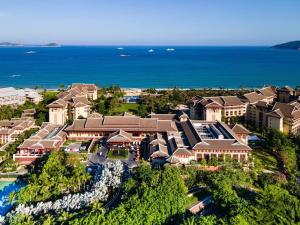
(289, 45)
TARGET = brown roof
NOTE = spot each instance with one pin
(182, 151)
(262, 104)
(80, 101)
(285, 108)
(120, 136)
(253, 97)
(286, 89)
(240, 129)
(225, 144)
(48, 137)
(59, 103)
(121, 120)
(163, 116)
(127, 123)
(267, 91)
(231, 101)
(221, 101)
(89, 87)
(276, 113)
(190, 132)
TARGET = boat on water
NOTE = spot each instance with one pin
(170, 49)
(15, 75)
(151, 50)
(120, 48)
(30, 52)
(123, 55)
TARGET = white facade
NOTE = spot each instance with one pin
(58, 116)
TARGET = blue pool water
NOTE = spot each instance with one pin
(6, 188)
(186, 67)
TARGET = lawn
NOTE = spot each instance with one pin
(118, 154)
(268, 161)
(126, 107)
(196, 197)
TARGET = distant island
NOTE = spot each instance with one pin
(289, 45)
(11, 44)
(51, 45)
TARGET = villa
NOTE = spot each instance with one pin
(285, 117)
(214, 108)
(11, 129)
(50, 137)
(72, 103)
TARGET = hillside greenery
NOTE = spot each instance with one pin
(60, 175)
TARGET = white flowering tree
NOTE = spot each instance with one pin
(104, 179)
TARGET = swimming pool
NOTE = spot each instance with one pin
(6, 188)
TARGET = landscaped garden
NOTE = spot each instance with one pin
(118, 154)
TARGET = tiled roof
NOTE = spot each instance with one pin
(48, 137)
(182, 151)
(59, 103)
(163, 116)
(127, 123)
(240, 129)
(267, 91)
(120, 136)
(253, 97)
(285, 108)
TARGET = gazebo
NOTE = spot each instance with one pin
(120, 139)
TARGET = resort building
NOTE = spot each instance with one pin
(98, 126)
(73, 103)
(285, 117)
(171, 138)
(50, 137)
(287, 94)
(216, 108)
(14, 97)
(165, 137)
(209, 140)
(11, 129)
(258, 104)
(241, 132)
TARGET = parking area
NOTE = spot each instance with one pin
(76, 146)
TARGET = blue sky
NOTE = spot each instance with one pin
(150, 22)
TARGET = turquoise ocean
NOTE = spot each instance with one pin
(149, 66)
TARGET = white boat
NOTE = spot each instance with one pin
(170, 49)
(151, 50)
(120, 48)
(123, 55)
(30, 52)
(15, 75)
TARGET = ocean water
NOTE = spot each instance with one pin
(186, 67)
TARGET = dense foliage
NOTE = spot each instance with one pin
(244, 198)
(59, 176)
(149, 197)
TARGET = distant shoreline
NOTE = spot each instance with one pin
(143, 89)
